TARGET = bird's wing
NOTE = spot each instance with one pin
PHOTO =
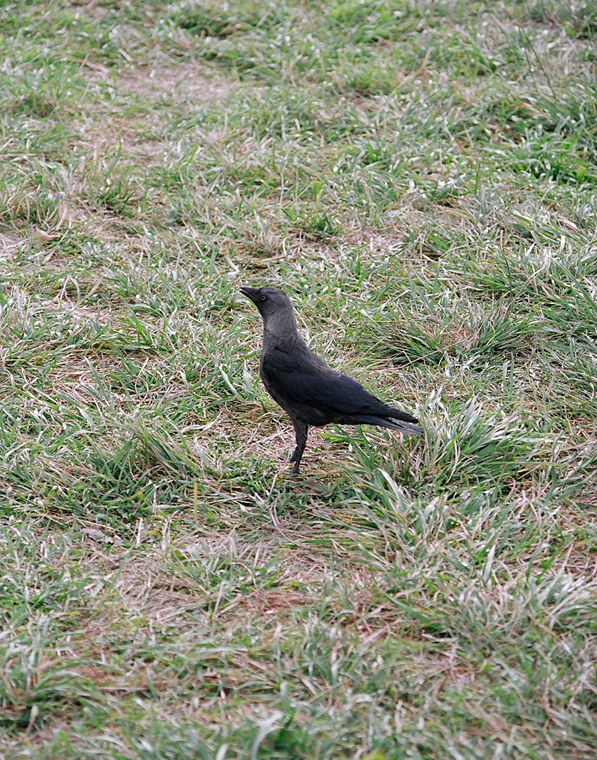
(320, 388)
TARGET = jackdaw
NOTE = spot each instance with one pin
(304, 386)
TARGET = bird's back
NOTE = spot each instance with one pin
(302, 384)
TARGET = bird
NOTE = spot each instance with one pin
(310, 392)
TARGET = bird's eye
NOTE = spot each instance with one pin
(263, 298)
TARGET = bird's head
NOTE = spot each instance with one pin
(275, 308)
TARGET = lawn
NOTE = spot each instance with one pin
(420, 176)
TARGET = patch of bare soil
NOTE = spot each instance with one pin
(10, 243)
(187, 82)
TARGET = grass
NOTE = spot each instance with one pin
(420, 176)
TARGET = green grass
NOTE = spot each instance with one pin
(421, 177)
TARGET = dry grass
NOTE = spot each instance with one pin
(420, 177)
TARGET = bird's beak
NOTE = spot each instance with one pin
(251, 293)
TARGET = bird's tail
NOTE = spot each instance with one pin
(408, 428)
(396, 414)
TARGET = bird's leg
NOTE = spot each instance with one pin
(301, 441)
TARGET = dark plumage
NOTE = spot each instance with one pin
(304, 386)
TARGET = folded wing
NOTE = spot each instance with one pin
(329, 392)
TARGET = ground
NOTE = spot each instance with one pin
(420, 177)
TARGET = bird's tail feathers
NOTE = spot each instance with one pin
(396, 414)
(403, 427)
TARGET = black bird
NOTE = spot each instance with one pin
(304, 386)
